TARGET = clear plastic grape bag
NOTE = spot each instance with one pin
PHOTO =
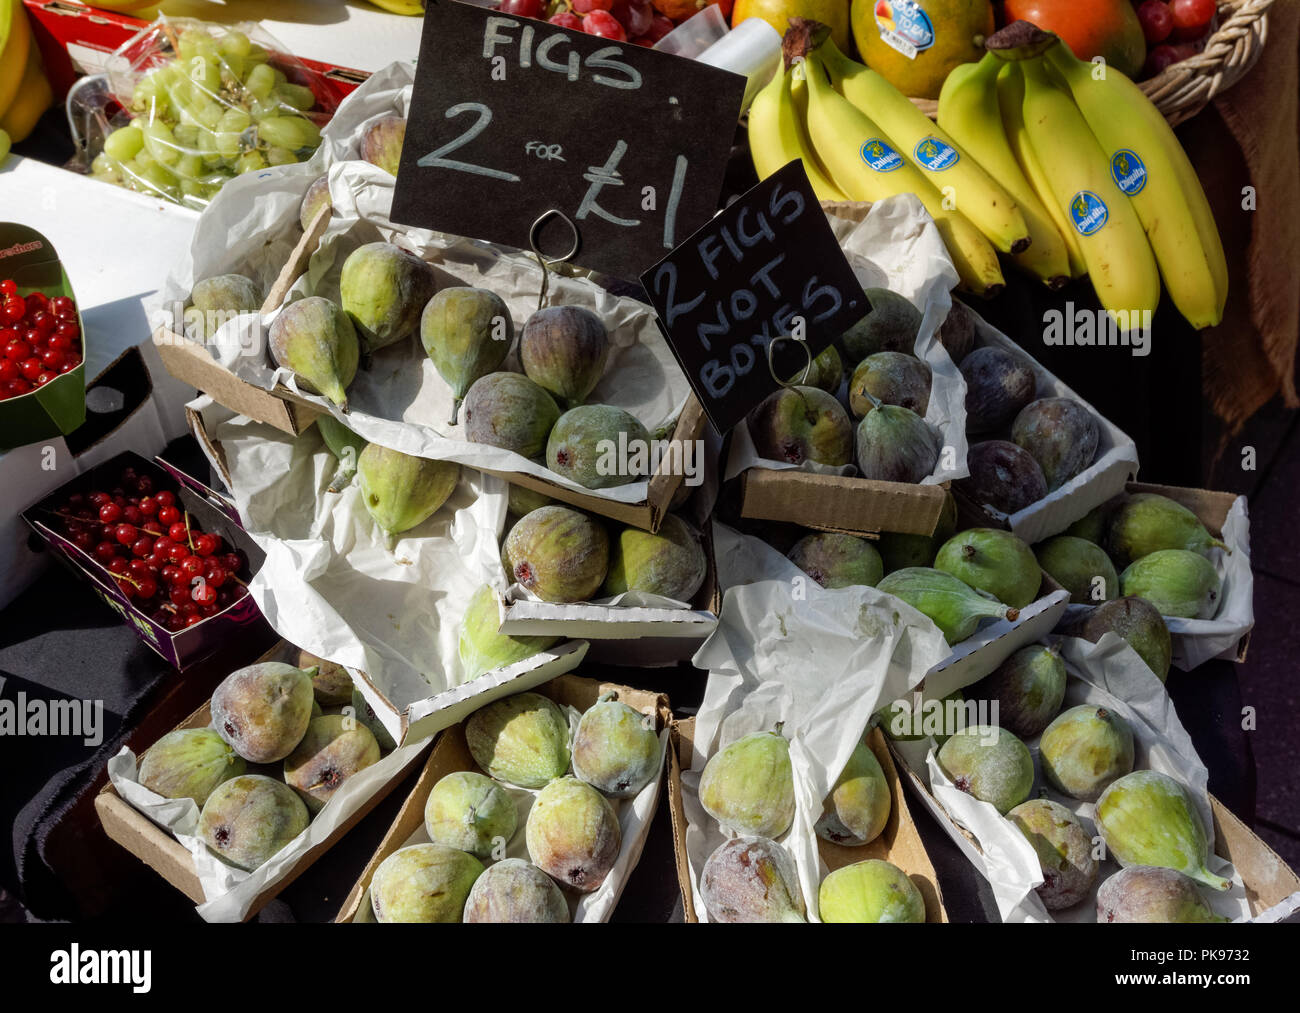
(190, 105)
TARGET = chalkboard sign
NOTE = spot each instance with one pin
(511, 118)
(768, 266)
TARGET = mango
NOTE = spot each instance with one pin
(1060, 434)
(315, 339)
(895, 378)
(957, 332)
(953, 605)
(563, 349)
(615, 749)
(521, 500)
(513, 892)
(989, 763)
(263, 710)
(891, 325)
(483, 648)
(364, 713)
(471, 813)
(748, 787)
(559, 554)
(1027, 688)
(898, 551)
(751, 879)
(1176, 581)
(993, 561)
(1084, 749)
(400, 491)
(384, 289)
(1064, 851)
(423, 883)
(189, 763)
(1080, 567)
(797, 424)
(895, 444)
(837, 560)
(381, 142)
(857, 809)
(1147, 522)
(1003, 476)
(998, 385)
(670, 563)
(1134, 620)
(870, 891)
(1152, 895)
(316, 198)
(249, 819)
(216, 300)
(521, 739)
(335, 748)
(598, 446)
(1148, 818)
(331, 684)
(573, 834)
(509, 411)
(466, 332)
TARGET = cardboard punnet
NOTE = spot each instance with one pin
(451, 754)
(899, 843)
(159, 850)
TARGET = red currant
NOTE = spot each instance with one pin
(165, 498)
(63, 308)
(206, 544)
(148, 506)
(110, 513)
(214, 575)
(179, 594)
(14, 310)
(177, 553)
(9, 370)
(118, 565)
(148, 587)
(127, 589)
(8, 288)
(105, 551)
(191, 566)
(168, 514)
(171, 574)
(17, 350)
(125, 534)
(132, 515)
(522, 8)
(142, 547)
(30, 368)
(204, 594)
(178, 534)
(193, 620)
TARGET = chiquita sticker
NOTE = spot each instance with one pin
(1128, 171)
(880, 156)
(904, 26)
(935, 155)
(1088, 212)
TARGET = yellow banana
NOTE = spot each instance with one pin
(968, 111)
(1150, 166)
(865, 166)
(411, 7)
(945, 163)
(34, 97)
(1115, 248)
(776, 136)
(15, 43)
(1011, 98)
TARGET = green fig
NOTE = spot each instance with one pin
(1084, 749)
(895, 444)
(335, 748)
(189, 763)
(345, 445)
(521, 500)
(471, 813)
(249, 819)
(1147, 522)
(895, 378)
(367, 716)
(315, 339)
(217, 300)
(1027, 688)
(263, 710)
(423, 883)
(669, 563)
(381, 142)
(1148, 818)
(834, 559)
(599, 446)
(798, 424)
(748, 787)
(857, 809)
(1151, 894)
(616, 749)
(751, 879)
(870, 891)
(401, 491)
(1176, 581)
(316, 198)
(989, 763)
(521, 739)
(573, 834)
(993, 561)
(826, 372)
(483, 647)
(1079, 566)
(890, 325)
(954, 606)
(384, 289)
(558, 553)
(509, 411)
(1064, 851)
(1093, 525)
(1134, 620)
(898, 551)
(466, 332)
(911, 719)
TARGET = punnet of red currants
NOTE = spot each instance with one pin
(152, 548)
(40, 339)
(635, 21)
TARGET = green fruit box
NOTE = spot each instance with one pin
(451, 754)
(58, 407)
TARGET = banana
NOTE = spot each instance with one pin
(776, 136)
(1115, 248)
(1011, 98)
(945, 163)
(34, 97)
(414, 8)
(865, 166)
(1149, 165)
(15, 43)
(968, 111)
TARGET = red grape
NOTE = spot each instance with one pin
(635, 17)
(1157, 21)
(587, 6)
(522, 8)
(603, 25)
(1191, 18)
(567, 19)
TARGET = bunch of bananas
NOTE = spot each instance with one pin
(24, 91)
(1062, 166)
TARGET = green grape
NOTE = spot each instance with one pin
(187, 135)
(104, 166)
(281, 156)
(124, 143)
(161, 143)
(291, 132)
(235, 44)
(295, 95)
(207, 144)
(251, 161)
(280, 77)
(235, 119)
(228, 143)
(142, 161)
(160, 179)
(260, 80)
(190, 41)
(206, 75)
(233, 69)
(189, 166)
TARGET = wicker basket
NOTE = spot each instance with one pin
(1183, 90)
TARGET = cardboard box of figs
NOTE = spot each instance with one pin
(899, 843)
(159, 850)
(451, 754)
(191, 363)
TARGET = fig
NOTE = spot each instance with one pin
(894, 378)
(669, 563)
(334, 748)
(748, 787)
(989, 763)
(751, 879)
(1079, 566)
(514, 892)
(331, 684)
(400, 491)
(937, 719)
(895, 444)
(993, 561)
(573, 834)
(1147, 522)
(954, 606)
(563, 349)
(870, 891)
(483, 647)
(189, 763)
(998, 385)
(615, 749)
(1064, 851)
(599, 446)
(826, 372)
(559, 554)
(217, 300)
(1134, 620)
(315, 339)
(1093, 525)
(509, 411)
(857, 809)
(249, 819)
(521, 500)
(891, 326)
(1060, 434)
(471, 813)
(466, 332)
(1177, 582)
(263, 710)
(381, 142)
(423, 883)
(316, 197)
(384, 289)
(837, 560)
(1027, 689)
(345, 445)
(1002, 476)
(898, 550)
(1153, 895)
(1084, 749)
(957, 332)
(521, 739)
(364, 713)
(797, 424)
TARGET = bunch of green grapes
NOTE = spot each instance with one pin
(217, 110)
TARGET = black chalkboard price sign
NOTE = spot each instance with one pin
(511, 118)
(767, 267)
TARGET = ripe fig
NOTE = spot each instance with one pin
(466, 332)
(835, 560)
(1027, 688)
(994, 561)
(384, 289)
(563, 349)
(870, 891)
(573, 834)
(471, 813)
(1084, 749)
(314, 338)
(998, 385)
(509, 411)
(1080, 567)
(189, 763)
(891, 325)
(1134, 620)
(797, 424)
(423, 883)
(751, 879)
(894, 378)
(857, 809)
(334, 748)
(1151, 894)
(559, 554)
(748, 786)
(263, 710)
(895, 444)
(616, 749)
(599, 446)
(1177, 582)
(989, 763)
(670, 563)
(521, 739)
(381, 142)
(1064, 851)
(1002, 476)
(249, 819)
(1060, 434)
(513, 891)
(400, 491)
